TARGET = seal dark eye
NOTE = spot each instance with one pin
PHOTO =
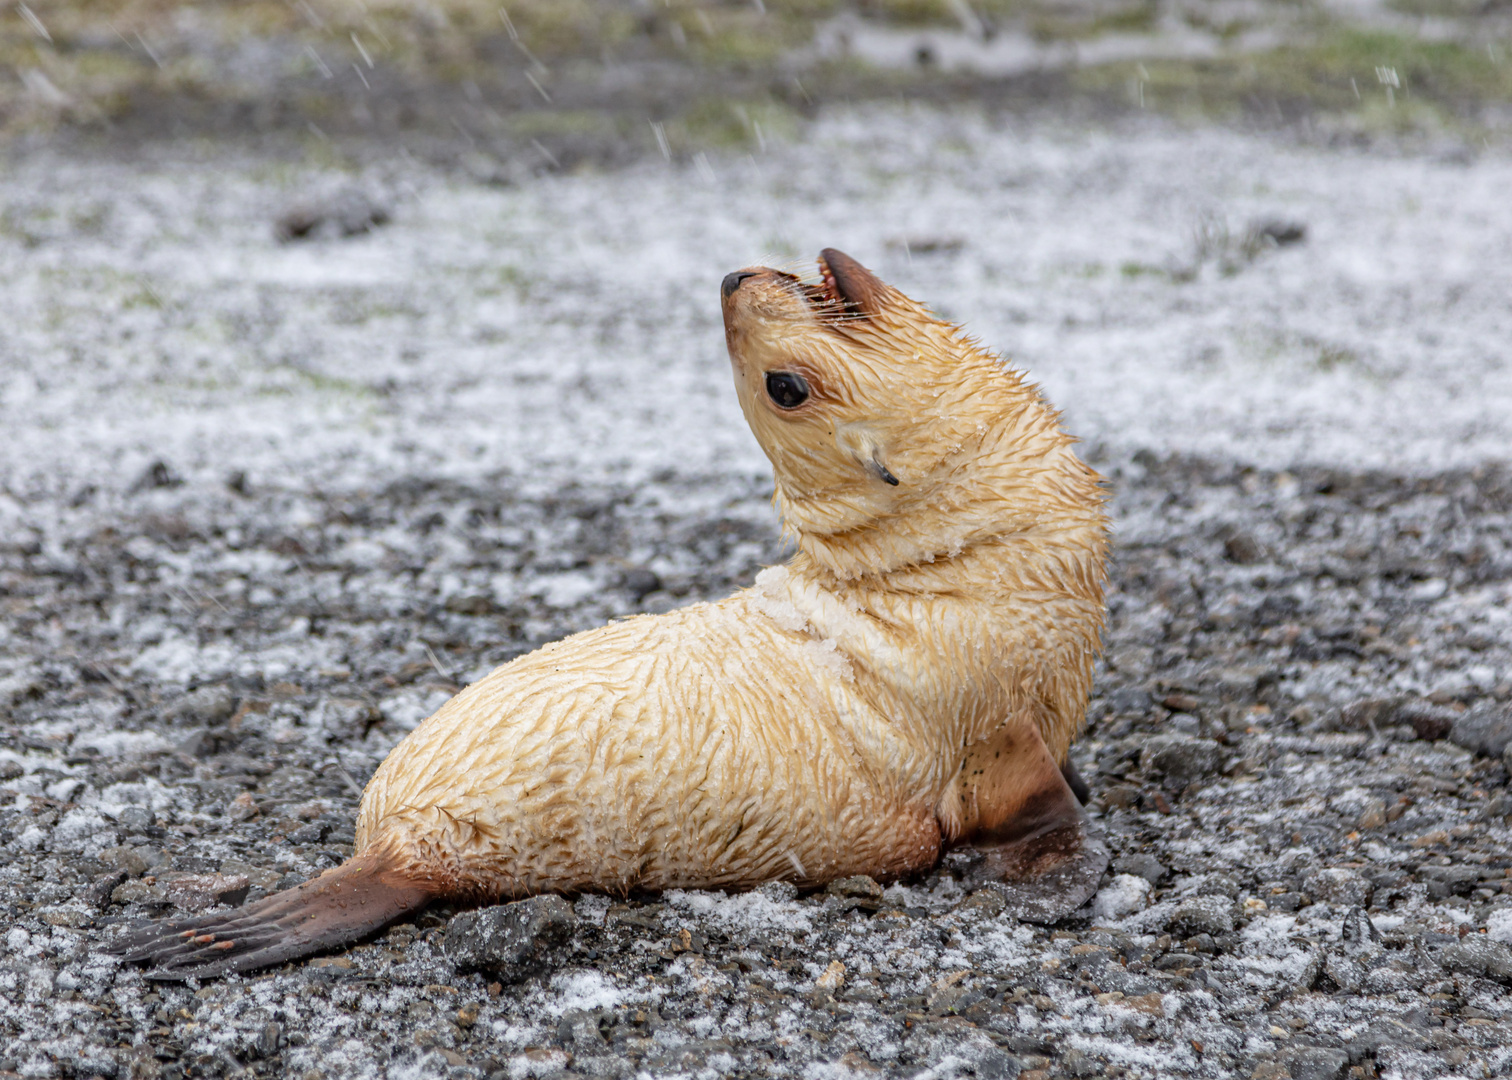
(786, 389)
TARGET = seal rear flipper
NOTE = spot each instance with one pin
(1028, 825)
(341, 906)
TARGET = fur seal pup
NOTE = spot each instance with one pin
(912, 678)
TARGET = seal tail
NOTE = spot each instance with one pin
(343, 905)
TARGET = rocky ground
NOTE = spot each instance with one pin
(1310, 872)
(299, 441)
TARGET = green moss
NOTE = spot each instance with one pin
(1346, 70)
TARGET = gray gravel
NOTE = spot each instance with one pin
(265, 504)
(1305, 857)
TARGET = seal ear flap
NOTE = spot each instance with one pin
(858, 441)
(858, 287)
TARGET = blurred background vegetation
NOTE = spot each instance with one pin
(585, 81)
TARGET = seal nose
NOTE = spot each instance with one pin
(732, 282)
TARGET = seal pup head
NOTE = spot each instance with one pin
(895, 438)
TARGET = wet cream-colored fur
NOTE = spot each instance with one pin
(814, 725)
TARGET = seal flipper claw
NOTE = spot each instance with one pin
(1035, 839)
(340, 906)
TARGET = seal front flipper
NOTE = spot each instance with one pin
(1028, 825)
(341, 906)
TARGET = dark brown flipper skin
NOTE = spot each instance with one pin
(341, 906)
(1034, 837)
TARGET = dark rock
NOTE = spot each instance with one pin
(1317, 1063)
(348, 719)
(1428, 721)
(579, 1030)
(196, 892)
(347, 212)
(984, 902)
(157, 475)
(1481, 957)
(1141, 864)
(511, 941)
(1180, 757)
(1450, 880)
(1129, 699)
(1485, 729)
(470, 604)
(1278, 232)
(1338, 886)
(1201, 915)
(1370, 714)
(1077, 1064)
(859, 890)
(1358, 931)
(640, 582)
(1400, 1034)
(98, 894)
(313, 833)
(267, 1042)
(1242, 548)
(209, 705)
(135, 817)
(1218, 885)
(994, 1064)
(127, 859)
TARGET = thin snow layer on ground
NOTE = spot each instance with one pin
(570, 326)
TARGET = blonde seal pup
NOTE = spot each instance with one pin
(910, 680)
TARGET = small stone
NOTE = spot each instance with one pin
(1480, 957)
(348, 719)
(1370, 714)
(70, 917)
(1152, 1004)
(1270, 1070)
(124, 858)
(512, 941)
(1201, 915)
(832, 978)
(1485, 729)
(98, 894)
(1180, 757)
(349, 211)
(1120, 796)
(259, 876)
(1358, 931)
(209, 705)
(1428, 721)
(1449, 880)
(864, 891)
(196, 892)
(137, 891)
(1317, 1063)
(157, 475)
(1242, 548)
(1373, 816)
(640, 581)
(267, 1041)
(579, 1030)
(1338, 886)
(779, 892)
(135, 817)
(988, 903)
